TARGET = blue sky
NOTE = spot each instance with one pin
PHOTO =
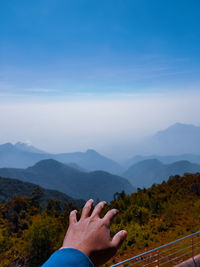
(79, 74)
(61, 48)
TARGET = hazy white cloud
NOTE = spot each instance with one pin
(41, 90)
(110, 125)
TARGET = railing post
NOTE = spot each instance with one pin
(158, 258)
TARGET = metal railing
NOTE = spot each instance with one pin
(167, 255)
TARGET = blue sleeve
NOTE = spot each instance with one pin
(68, 257)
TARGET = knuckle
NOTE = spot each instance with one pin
(100, 206)
(105, 222)
(92, 219)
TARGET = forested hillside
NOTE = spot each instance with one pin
(151, 216)
(9, 188)
(158, 215)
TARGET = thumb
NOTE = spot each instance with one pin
(118, 239)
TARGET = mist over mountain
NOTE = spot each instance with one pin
(55, 175)
(76, 166)
(164, 159)
(22, 156)
(90, 160)
(147, 172)
(176, 143)
(20, 147)
(176, 140)
(10, 188)
(15, 157)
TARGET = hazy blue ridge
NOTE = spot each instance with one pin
(55, 175)
(164, 159)
(147, 172)
(22, 156)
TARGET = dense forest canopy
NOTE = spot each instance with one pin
(154, 216)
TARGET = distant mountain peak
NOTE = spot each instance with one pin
(180, 124)
(51, 165)
(180, 127)
(183, 125)
(19, 143)
(150, 163)
(27, 147)
(47, 163)
(91, 151)
(177, 139)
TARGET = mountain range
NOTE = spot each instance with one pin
(174, 150)
(152, 171)
(55, 175)
(177, 142)
(22, 156)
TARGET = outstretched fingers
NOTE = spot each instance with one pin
(87, 209)
(98, 209)
(110, 216)
(72, 217)
(118, 239)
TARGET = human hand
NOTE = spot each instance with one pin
(91, 234)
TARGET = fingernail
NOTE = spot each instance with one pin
(74, 211)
